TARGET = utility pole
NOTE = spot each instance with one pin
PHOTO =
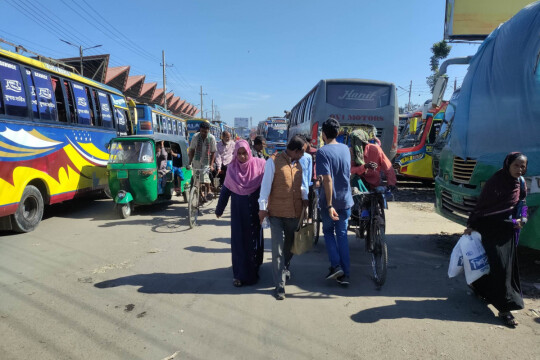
(455, 83)
(164, 65)
(202, 113)
(80, 52)
(212, 110)
(410, 90)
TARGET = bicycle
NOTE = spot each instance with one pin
(196, 200)
(368, 211)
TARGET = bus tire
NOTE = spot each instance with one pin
(30, 210)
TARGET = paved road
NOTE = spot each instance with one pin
(86, 285)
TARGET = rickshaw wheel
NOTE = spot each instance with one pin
(193, 207)
(123, 210)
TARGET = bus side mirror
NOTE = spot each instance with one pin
(438, 91)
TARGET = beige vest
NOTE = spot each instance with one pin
(285, 198)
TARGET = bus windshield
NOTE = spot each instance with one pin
(358, 96)
(276, 132)
(129, 152)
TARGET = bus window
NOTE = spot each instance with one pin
(13, 90)
(33, 96)
(81, 103)
(70, 102)
(358, 96)
(59, 95)
(105, 108)
(99, 118)
(90, 105)
(121, 121)
(46, 96)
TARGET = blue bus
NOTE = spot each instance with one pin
(274, 130)
(193, 126)
(155, 119)
(54, 129)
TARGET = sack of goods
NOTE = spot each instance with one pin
(469, 256)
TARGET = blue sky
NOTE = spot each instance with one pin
(253, 58)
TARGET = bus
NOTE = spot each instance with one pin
(413, 157)
(224, 127)
(193, 128)
(155, 119)
(274, 130)
(497, 113)
(354, 103)
(54, 130)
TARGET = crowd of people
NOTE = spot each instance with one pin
(279, 189)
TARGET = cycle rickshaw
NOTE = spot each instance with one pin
(367, 222)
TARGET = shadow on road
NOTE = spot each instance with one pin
(427, 309)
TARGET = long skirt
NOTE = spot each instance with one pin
(501, 287)
(247, 243)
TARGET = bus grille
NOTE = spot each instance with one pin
(461, 208)
(463, 169)
(379, 132)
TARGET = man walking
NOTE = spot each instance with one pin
(334, 165)
(202, 154)
(259, 143)
(224, 155)
(283, 200)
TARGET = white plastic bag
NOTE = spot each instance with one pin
(475, 261)
(456, 261)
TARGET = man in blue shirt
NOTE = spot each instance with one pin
(334, 165)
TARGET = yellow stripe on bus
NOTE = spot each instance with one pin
(19, 154)
(94, 151)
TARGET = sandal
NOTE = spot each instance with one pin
(237, 283)
(508, 319)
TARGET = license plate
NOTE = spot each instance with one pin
(457, 198)
(122, 174)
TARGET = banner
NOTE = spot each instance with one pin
(476, 19)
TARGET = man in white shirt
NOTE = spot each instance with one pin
(283, 199)
(202, 154)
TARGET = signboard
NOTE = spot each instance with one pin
(476, 19)
(241, 122)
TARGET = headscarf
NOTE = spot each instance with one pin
(359, 139)
(244, 179)
(501, 192)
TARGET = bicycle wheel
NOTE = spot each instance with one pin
(379, 254)
(193, 206)
(316, 216)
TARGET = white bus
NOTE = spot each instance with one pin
(354, 103)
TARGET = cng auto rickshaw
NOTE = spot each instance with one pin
(133, 170)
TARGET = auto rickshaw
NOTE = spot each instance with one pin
(133, 171)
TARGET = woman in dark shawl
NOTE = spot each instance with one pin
(242, 184)
(497, 218)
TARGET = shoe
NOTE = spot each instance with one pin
(508, 319)
(334, 273)
(343, 280)
(209, 196)
(280, 293)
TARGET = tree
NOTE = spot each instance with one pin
(440, 50)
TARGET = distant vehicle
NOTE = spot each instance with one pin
(497, 113)
(193, 126)
(274, 130)
(413, 157)
(153, 119)
(54, 129)
(353, 102)
(224, 127)
(444, 132)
